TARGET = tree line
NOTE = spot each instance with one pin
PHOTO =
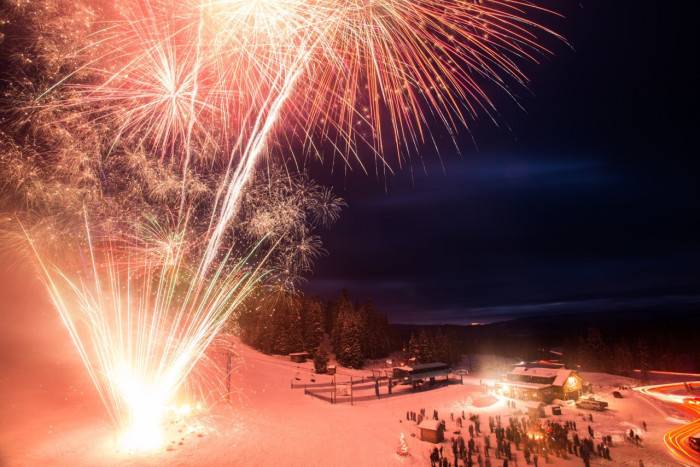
(433, 345)
(622, 354)
(283, 323)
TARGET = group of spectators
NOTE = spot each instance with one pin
(532, 439)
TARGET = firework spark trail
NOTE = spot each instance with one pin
(244, 170)
(224, 76)
(181, 74)
(138, 333)
(353, 31)
(197, 71)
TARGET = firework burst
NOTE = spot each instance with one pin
(206, 77)
(210, 83)
(141, 326)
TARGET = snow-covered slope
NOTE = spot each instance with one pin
(269, 423)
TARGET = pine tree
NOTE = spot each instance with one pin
(278, 329)
(425, 347)
(595, 352)
(623, 360)
(376, 332)
(363, 317)
(350, 339)
(293, 325)
(314, 328)
(644, 358)
(341, 311)
(413, 348)
(321, 358)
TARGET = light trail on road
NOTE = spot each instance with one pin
(676, 440)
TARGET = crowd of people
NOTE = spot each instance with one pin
(517, 439)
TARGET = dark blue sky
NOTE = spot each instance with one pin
(587, 200)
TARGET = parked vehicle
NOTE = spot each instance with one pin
(617, 394)
(591, 404)
(694, 441)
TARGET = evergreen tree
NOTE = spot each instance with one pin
(293, 326)
(341, 311)
(594, 351)
(425, 347)
(376, 332)
(413, 349)
(347, 335)
(321, 358)
(350, 354)
(623, 359)
(280, 344)
(644, 358)
(314, 328)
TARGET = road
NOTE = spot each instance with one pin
(676, 440)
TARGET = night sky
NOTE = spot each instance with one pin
(586, 200)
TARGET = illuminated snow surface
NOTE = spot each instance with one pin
(51, 417)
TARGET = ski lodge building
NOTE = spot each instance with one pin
(542, 381)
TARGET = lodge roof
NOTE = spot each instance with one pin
(522, 385)
(429, 424)
(425, 367)
(557, 375)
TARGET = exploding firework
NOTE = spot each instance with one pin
(204, 76)
(288, 210)
(140, 326)
(169, 72)
(198, 84)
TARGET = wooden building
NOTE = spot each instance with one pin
(542, 383)
(299, 357)
(431, 431)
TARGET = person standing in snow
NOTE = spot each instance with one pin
(434, 458)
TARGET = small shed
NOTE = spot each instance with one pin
(299, 357)
(431, 431)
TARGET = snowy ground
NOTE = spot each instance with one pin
(271, 424)
(50, 415)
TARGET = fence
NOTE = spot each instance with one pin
(352, 381)
(330, 398)
(329, 392)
